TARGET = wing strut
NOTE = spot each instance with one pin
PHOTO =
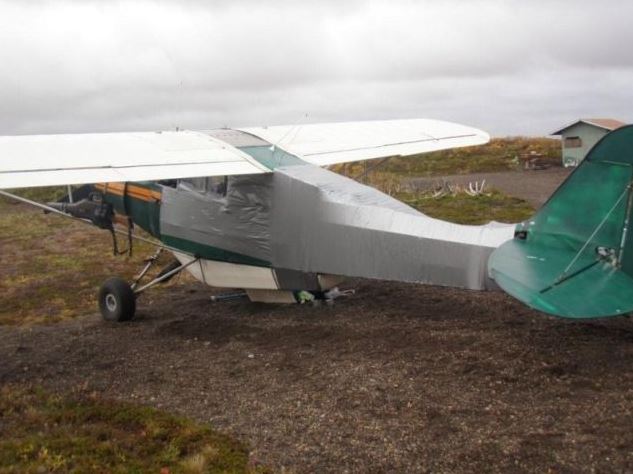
(52, 210)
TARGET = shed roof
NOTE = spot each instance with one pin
(604, 123)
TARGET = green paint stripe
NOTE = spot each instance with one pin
(144, 214)
(212, 253)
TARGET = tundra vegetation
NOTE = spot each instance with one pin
(77, 432)
(501, 154)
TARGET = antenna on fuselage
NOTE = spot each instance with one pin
(179, 102)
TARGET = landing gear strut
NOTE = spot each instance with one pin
(117, 298)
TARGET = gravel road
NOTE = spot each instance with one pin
(533, 186)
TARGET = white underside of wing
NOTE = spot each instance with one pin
(49, 160)
(331, 143)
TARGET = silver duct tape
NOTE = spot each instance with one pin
(325, 223)
(308, 221)
(238, 222)
(297, 280)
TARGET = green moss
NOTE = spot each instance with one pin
(465, 209)
(52, 433)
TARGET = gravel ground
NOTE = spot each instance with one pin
(397, 378)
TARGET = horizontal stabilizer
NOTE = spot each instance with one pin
(536, 277)
(574, 257)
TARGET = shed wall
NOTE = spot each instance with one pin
(589, 134)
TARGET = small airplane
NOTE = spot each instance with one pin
(256, 209)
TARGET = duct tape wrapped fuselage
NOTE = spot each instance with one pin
(302, 221)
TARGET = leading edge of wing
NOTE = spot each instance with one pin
(330, 143)
(52, 160)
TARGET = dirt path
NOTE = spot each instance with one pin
(533, 186)
(398, 378)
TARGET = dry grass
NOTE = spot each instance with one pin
(501, 154)
(460, 208)
(474, 210)
(52, 267)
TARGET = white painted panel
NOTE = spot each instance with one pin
(271, 296)
(46, 160)
(230, 275)
(109, 175)
(330, 143)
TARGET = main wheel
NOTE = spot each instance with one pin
(117, 301)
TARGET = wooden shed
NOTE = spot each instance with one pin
(579, 137)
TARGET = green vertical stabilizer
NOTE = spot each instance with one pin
(574, 258)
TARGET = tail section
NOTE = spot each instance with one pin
(574, 258)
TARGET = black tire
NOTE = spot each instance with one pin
(117, 301)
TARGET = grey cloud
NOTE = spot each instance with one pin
(510, 67)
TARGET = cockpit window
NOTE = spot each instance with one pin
(218, 185)
(214, 185)
(172, 183)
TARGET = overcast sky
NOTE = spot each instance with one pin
(508, 67)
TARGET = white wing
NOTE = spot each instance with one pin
(330, 143)
(48, 160)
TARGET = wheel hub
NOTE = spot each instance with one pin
(110, 302)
